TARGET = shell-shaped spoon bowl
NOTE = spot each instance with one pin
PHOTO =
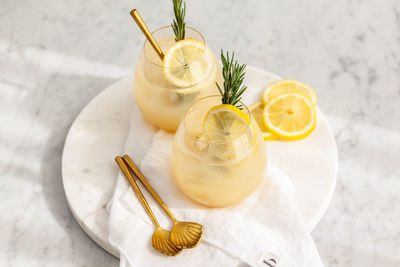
(161, 241)
(186, 234)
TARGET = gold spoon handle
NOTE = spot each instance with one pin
(136, 188)
(146, 184)
(139, 21)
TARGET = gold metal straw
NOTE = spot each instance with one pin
(139, 21)
(183, 234)
(161, 239)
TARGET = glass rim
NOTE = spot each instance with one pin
(146, 42)
(249, 126)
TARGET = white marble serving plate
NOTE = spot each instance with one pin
(98, 134)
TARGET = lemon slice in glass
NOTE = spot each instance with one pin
(290, 116)
(288, 86)
(226, 127)
(187, 62)
(225, 122)
(256, 111)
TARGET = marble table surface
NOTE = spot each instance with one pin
(57, 55)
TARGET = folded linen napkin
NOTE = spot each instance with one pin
(244, 235)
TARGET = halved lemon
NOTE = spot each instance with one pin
(290, 116)
(286, 86)
(226, 127)
(187, 62)
(256, 110)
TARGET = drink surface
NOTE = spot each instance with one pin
(162, 103)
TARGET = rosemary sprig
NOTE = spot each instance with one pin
(233, 74)
(178, 25)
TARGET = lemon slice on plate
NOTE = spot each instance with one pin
(288, 86)
(187, 62)
(225, 125)
(290, 116)
(256, 110)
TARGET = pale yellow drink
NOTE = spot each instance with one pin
(213, 173)
(162, 102)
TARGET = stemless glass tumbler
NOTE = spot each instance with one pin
(213, 170)
(162, 90)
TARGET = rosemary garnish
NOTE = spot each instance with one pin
(178, 25)
(233, 74)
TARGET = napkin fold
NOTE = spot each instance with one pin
(264, 224)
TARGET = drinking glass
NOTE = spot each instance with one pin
(161, 102)
(220, 172)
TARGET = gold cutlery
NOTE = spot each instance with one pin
(161, 239)
(183, 234)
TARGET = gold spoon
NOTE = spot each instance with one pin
(161, 238)
(183, 234)
(139, 21)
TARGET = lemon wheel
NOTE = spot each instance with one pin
(286, 86)
(226, 127)
(256, 111)
(225, 122)
(187, 62)
(290, 116)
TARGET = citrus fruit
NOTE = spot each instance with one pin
(288, 86)
(187, 62)
(226, 127)
(256, 111)
(290, 116)
(225, 122)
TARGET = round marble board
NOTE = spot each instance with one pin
(98, 134)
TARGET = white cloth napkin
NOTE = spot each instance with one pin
(267, 222)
